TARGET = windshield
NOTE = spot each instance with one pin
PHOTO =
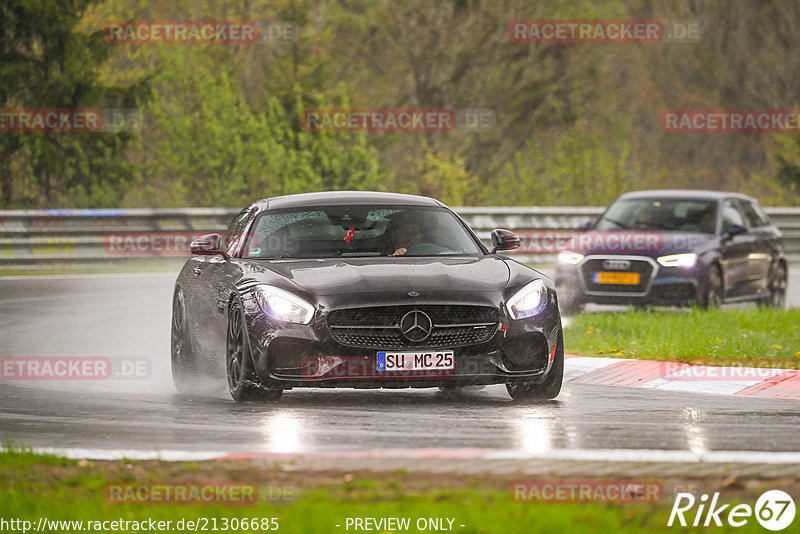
(676, 215)
(358, 231)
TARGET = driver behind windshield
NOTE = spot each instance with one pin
(708, 221)
(644, 221)
(404, 235)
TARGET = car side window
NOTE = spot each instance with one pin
(235, 229)
(731, 215)
(752, 216)
(761, 215)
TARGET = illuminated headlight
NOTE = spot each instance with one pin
(572, 258)
(678, 260)
(528, 301)
(283, 306)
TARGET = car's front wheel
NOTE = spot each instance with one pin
(243, 384)
(713, 294)
(550, 388)
(776, 298)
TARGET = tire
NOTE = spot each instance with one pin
(243, 384)
(712, 298)
(550, 388)
(185, 373)
(777, 288)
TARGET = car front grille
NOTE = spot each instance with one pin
(643, 268)
(379, 327)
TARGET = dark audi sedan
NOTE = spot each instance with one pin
(362, 289)
(675, 248)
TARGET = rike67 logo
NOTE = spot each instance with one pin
(774, 510)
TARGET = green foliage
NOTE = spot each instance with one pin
(45, 62)
(222, 125)
(581, 166)
(443, 176)
(208, 146)
(788, 161)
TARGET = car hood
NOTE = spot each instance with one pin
(645, 243)
(385, 279)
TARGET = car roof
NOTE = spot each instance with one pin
(333, 198)
(696, 194)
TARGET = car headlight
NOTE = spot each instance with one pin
(283, 306)
(572, 258)
(678, 260)
(528, 301)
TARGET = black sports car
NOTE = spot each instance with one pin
(675, 247)
(362, 289)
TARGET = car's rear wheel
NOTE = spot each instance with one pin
(776, 298)
(550, 388)
(185, 372)
(243, 384)
(713, 294)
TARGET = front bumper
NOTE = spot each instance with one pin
(664, 285)
(288, 355)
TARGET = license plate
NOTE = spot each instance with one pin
(416, 361)
(627, 279)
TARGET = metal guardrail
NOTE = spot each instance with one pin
(47, 239)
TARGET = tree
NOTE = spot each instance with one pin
(46, 63)
(205, 144)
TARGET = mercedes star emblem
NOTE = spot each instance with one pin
(416, 326)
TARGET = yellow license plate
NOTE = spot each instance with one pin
(627, 279)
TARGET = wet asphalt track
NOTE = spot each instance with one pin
(127, 317)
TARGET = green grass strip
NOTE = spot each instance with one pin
(747, 337)
(33, 486)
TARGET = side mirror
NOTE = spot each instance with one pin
(504, 240)
(207, 245)
(734, 230)
(586, 226)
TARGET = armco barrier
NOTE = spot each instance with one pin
(46, 239)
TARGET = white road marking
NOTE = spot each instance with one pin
(594, 455)
(133, 454)
(653, 455)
